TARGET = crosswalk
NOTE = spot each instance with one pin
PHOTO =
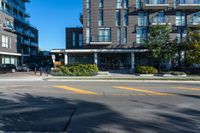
(127, 90)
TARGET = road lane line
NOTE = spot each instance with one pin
(77, 91)
(186, 88)
(140, 90)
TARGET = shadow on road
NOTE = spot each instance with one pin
(48, 114)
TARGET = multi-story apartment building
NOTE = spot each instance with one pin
(114, 31)
(18, 39)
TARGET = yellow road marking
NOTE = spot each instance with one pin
(185, 88)
(78, 91)
(140, 90)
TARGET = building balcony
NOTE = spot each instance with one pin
(142, 23)
(160, 21)
(155, 4)
(26, 42)
(34, 44)
(27, 15)
(100, 40)
(32, 35)
(34, 53)
(9, 27)
(138, 5)
(16, 16)
(188, 4)
(27, 32)
(193, 22)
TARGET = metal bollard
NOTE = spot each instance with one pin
(35, 71)
(40, 71)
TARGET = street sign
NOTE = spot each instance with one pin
(53, 58)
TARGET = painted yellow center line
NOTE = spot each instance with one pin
(185, 88)
(140, 90)
(77, 91)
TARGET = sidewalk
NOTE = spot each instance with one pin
(22, 76)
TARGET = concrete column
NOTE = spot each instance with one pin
(132, 62)
(4, 5)
(0, 4)
(96, 58)
(66, 59)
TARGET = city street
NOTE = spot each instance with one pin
(100, 107)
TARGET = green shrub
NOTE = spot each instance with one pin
(77, 70)
(57, 72)
(176, 73)
(146, 70)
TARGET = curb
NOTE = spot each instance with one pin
(123, 80)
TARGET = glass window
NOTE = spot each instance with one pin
(119, 36)
(140, 35)
(5, 41)
(104, 35)
(80, 40)
(180, 18)
(88, 35)
(138, 4)
(159, 18)
(12, 60)
(88, 18)
(181, 34)
(142, 19)
(126, 4)
(118, 18)
(126, 18)
(125, 35)
(7, 60)
(101, 3)
(195, 19)
(74, 39)
(101, 16)
(119, 4)
(88, 4)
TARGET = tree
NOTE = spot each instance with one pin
(159, 45)
(193, 49)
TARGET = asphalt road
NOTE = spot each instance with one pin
(100, 107)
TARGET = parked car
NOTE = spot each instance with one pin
(5, 68)
(23, 68)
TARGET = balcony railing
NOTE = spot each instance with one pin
(159, 20)
(143, 23)
(139, 5)
(101, 39)
(192, 22)
(187, 2)
(26, 42)
(156, 2)
(8, 26)
(34, 44)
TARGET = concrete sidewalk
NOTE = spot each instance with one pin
(30, 76)
(22, 76)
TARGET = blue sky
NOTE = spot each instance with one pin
(51, 17)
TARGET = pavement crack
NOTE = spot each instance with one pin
(69, 120)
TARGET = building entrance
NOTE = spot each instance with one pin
(114, 61)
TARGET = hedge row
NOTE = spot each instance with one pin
(76, 70)
(146, 70)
